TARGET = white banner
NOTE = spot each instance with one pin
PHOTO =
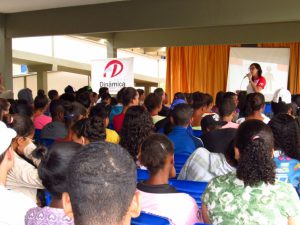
(112, 73)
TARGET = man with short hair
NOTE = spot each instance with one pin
(184, 141)
(228, 112)
(13, 205)
(101, 186)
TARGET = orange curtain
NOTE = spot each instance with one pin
(294, 70)
(197, 68)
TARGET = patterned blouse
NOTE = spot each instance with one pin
(47, 216)
(228, 201)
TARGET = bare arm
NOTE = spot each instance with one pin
(205, 214)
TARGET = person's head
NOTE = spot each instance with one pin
(209, 102)
(182, 115)
(84, 99)
(119, 96)
(67, 97)
(130, 97)
(54, 166)
(101, 186)
(219, 98)
(6, 152)
(22, 107)
(40, 102)
(179, 95)
(89, 130)
(281, 102)
(102, 111)
(26, 94)
(103, 90)
(255, 102)
(24, 128)
(153, 103)
(157, 154)
(106, 98)
(160, 92)
(227, 108)
(137, 125)
(254, 145)
(73, 112)
(255, 70)
(210, 123)
(141, 95)
(200, 101)
(233, 96)
(57, 110)
(286, 135)
(53, 94)
(69, 90)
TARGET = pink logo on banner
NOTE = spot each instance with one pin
(117, 68)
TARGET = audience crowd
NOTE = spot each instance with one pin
(72, 158)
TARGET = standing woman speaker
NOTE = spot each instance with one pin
(256, 81)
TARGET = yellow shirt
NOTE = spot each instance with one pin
(112, 136)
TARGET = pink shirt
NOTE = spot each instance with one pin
(41, 120)
(231, 125)
(180, 208)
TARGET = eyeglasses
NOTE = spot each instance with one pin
(252, 68)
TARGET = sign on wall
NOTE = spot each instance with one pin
(112, 73)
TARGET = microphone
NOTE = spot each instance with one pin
(245, 76)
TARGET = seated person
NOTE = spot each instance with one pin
(13, 205)
(101, 186)
(184, 141)
(255, 106)
(287, 149)
(40, 106)
(203, 165)
(251, 195)
(89, 130)
(227, 111)
(153, 104)
(103, 112)
(282, 102)
(53, 173)
(130, 97)
(23, 177)
(57, 129)
(157, 196)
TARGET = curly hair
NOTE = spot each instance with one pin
(154, 151)
(286, 133)
(255, 142)
(136, 127)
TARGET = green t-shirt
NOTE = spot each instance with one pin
(228, 201)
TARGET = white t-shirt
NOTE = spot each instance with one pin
(266, 119)
(13, 207)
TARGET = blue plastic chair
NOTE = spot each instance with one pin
(149, 219)
(268, 109)
(180, 160)
(193, 188)
(142, 175)
(202, 224)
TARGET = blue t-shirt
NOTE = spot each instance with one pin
(184, 141)
(287, 169)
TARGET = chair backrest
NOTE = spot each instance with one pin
(180, 160)
(193, 188)
(142, 175)
(149, 219)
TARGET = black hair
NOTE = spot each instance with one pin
(113, 101)
(199, 100)
(69, 89)
(152, 102)
(105, 96)
(54, 165)
(21, 107)
(23, 125)
(182, 114)
(209, 99)
(259, 70)
(101, 184)
(159, 91)
(154, 151)
(229, 95)
(137, 125)
(254, 102)
(73, 112)
(84, 99)
(140, 91)
(230, 154)
(67, 97)
(219, 98)
(128, 94)
(52, 94)
(286, 135)
(280, 107)
(103, 90)
(255, 143)
(119, 96)
(40, 101)
(92, 128)
(242, 96)
(179, 95)
(227, 107)
(56, 107)
(100, 110)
